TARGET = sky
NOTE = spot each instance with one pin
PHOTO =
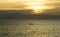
(20, 3)
(42, 5)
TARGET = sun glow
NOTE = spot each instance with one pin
(37, 7)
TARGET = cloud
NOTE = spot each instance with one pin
(11, 6)
(55, 11)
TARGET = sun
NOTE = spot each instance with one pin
(40, 9)
(37, 7)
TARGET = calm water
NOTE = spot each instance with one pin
(29, 28)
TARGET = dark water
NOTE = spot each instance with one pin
(29, 28)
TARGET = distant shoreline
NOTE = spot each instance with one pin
(25, 15)
(29, 19)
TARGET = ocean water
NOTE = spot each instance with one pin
(29, 28)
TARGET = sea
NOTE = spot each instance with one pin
(29, 28)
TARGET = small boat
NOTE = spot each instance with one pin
(31, 24)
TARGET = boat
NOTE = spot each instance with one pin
(31, 24)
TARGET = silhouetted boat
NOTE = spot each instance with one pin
(31, 24)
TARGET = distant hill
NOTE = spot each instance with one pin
(26, 15)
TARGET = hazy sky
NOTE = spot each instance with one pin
(48, 5)
(19, 3)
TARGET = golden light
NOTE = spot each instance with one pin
(38, 7)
